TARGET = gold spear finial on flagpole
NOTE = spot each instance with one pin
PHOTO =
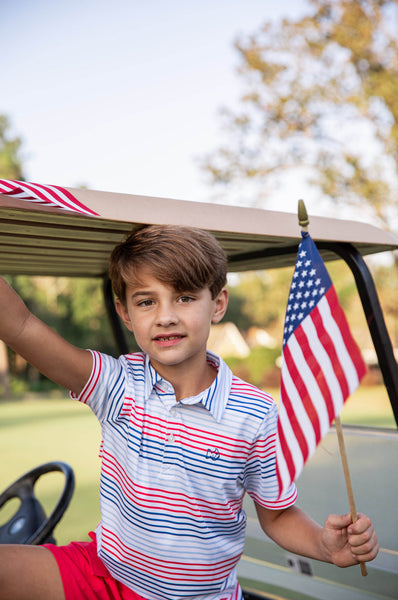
(303, 216)
(304, 222)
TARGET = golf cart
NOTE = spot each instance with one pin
(48, 231)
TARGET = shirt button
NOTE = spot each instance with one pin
(171, 438)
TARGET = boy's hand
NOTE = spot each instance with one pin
(349, 543)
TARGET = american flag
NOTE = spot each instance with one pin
(49, 195)
(321, 364)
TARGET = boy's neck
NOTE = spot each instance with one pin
(187, 382)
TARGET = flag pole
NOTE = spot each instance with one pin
(304, 222)
(347, 476)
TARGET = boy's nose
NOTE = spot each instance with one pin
(166, 315)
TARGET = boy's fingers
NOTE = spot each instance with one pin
(341, 521)
(362, 524)
(338, 521)
(365, 552)
(363, 539)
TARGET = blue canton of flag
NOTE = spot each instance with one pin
(310, 282)
(321, 364)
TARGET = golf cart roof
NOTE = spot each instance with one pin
(52, 239)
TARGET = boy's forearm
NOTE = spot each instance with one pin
(13, 314)
(295, 531)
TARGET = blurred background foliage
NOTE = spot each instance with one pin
(319, 97)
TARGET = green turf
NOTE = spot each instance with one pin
(368, 406)
(33, 432)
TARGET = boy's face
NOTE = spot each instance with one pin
(170, 326)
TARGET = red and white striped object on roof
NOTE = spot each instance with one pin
(50, 195)
(321, 367)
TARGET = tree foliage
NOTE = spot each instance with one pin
(320, 94)
(10, 161)
(261, 298)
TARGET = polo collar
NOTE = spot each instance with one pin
(214, 399)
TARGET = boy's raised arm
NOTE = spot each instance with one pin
(56, 358)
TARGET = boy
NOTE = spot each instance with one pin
(182, 441)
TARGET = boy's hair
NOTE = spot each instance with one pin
(185, 258)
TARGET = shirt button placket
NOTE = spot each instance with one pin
(170, 441)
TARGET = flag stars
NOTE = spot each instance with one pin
(308, 285)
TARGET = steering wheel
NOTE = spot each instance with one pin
(30, 525)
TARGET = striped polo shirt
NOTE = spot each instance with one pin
(174, 474)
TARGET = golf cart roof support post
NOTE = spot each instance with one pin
(374, 316)
(116, 325)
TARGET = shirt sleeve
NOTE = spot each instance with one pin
(104, 390)
(260, 473)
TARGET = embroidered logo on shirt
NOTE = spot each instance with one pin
(213, 454)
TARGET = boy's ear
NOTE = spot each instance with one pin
(123, 313)
(220, 307)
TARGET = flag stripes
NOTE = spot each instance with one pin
(321, 367)
(49, 195)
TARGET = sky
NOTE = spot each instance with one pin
(125, 96)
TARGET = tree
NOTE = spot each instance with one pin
(320, 98)
(260, 298)
(10, 161)
(320, 95)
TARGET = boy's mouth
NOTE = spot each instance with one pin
(168, 339)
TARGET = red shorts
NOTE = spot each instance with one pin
(84, 575)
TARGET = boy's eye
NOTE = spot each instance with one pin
(185, 299)
(146, 302)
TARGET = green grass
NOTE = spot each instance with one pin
(368, 406)
(33, 432)
(36, 431)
